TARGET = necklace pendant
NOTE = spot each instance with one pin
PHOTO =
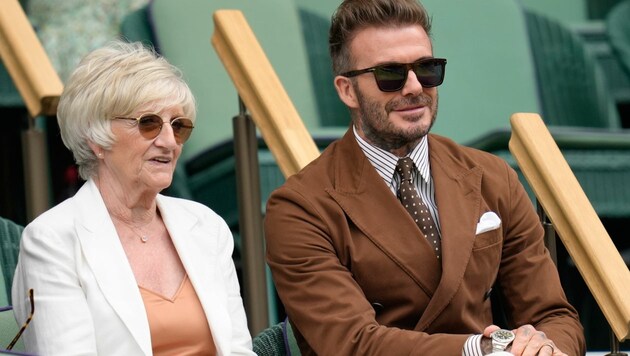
(144, 239)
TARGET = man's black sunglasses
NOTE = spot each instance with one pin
(393, 76)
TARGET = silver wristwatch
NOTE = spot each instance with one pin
(501, 339)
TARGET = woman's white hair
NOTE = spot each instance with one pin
(111, 81)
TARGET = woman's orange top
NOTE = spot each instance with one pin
(178, 325)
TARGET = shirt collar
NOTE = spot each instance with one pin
(385, 162)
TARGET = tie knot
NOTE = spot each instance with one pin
(404, 167)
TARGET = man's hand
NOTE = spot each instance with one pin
(528, 342)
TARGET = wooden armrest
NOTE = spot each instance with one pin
(27, 62)
(574, 218)
(262, 92)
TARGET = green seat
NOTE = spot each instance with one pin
(598, 9)
(8, 329)
(575, 103)
(599, 158)
(566, 11)
(270, 342)
(10, 234)
(490, 73)
(315, 24)
(136, 27)
(289, 339)
(276, 340)
(183, 31)
(572, 87)
(9, 95)
(618, 28)
(211, 177)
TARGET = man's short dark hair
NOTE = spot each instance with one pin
(354, 15)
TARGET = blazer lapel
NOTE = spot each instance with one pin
(457, 190)
(374, 209)
(106, 257)
(198, 252)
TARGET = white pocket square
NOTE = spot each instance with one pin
(489, 221)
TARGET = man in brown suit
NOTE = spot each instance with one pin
(358, 272)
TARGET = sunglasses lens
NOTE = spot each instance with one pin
(150, 126)
(430, 73)
(390, 77)
(393, 77)
(182, 128)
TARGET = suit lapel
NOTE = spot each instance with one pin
(197, 250)
(373, 208)
(457, 190)
(106, 257)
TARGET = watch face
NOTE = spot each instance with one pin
(503, 336)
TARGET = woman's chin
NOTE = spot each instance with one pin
(159, 183)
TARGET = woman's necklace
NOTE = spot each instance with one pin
(143, 237)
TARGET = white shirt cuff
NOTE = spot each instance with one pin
(472, 346)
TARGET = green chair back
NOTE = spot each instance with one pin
(136, 27)
(8, 329)
(490, 72)
(565, 11)
(315, 24)
(270, 342)
(618, 28)
(290, 341)
(9, 95)
(10, 234)
(183, 31)
(571, 84)
(277, 340)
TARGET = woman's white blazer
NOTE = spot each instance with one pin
(87, 301)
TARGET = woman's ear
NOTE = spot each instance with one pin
(98, 150)
(346, 92)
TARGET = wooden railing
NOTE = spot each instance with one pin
(262, 92)
(27, 62)
(272, 111)
(40, 87)
(574, 219)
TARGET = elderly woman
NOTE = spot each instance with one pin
(119, 269)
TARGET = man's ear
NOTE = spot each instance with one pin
(346, 92)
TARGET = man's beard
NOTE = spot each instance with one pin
(381, 132)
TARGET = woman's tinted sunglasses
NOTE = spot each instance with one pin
(150, 126)
(393, 76)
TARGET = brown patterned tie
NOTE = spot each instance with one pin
(412, 201)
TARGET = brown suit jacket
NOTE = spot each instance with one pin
(357, 277)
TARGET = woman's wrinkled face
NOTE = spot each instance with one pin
(136, 162)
